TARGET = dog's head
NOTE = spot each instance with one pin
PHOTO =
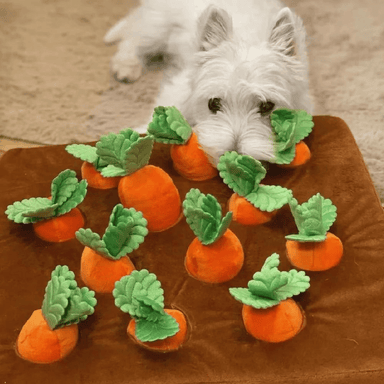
(235, 87)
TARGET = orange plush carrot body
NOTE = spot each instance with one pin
(144, 187)
(168, 126)
(169, 344)
(104, 260)
(314, 248)
(92, 166)
(252, 203)
(153, 327)
(215, 255)
(290, 128)
(51, 333)
(269, 314)
(54, 219)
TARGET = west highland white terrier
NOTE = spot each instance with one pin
(229, 64)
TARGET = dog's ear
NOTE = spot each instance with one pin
(283, 33)
(214, 27)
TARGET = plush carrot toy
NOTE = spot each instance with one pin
(105, 260)
(314, 248)
(51, 332)
(269, 313)
(153, 327)
(145, 187)
(216, 254)
(252, 203)
(92, 166)
(291, 127)
(54, 219)
(168, 126)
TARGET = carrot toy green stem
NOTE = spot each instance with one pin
(54, 219)
(290, 127)
(252, 202)
(153, 327)
(105, 260)
(146, 188)
(269, 314)
(216, 254)
(314, 248)
(51, 333)
(92, 166)
(168, 126)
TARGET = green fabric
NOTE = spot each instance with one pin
(64, 302)
(204, 216)
(313, 218)
(126, 230)
(290, 127)
(140, 294)
(168, 126)
(86, 153)
(124, 152)
(67, 193)
(243, 175)
(270, 286)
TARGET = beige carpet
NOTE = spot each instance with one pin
(55, 85)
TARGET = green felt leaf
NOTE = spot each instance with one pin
(204, 216)
(77, 197)
(241, 173)
(270, 286)
(290, 126)
(124, 152)
(169, 126)
(130, 290)
(126, 231)
(81, 304)
(83, 152)
(31, 210)
(269, 197)
(63, 186)
(64, 303)
(57, 293)
(92, 240)
(313, 218)
(165, 326)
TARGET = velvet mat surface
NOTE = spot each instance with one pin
(342, 342)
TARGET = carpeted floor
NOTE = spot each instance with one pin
(55, 85)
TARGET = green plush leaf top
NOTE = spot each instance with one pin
(204, 216)
(64, 302)
(67, 193)
(290, 126)
(313, 218)
(86, 153)
(169, 126)
(125, 232)
(140, 294)
(243, 175)
(124, 152)
(270, 286)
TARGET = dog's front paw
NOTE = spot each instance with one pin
(126, 68)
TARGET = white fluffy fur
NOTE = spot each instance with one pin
(242, 51)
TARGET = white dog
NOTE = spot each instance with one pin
(230, 63)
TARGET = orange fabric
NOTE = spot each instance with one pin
(191, 162)
(100, 273)
(61, 228)
(95, 179)
(170, 343)
(314, 256)
(217, 262)
(303, 154)
(275, 324)
(152, 191)
(247, 214)
(39, 344)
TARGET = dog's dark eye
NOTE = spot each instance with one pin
(266, 107)
(214, 105)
